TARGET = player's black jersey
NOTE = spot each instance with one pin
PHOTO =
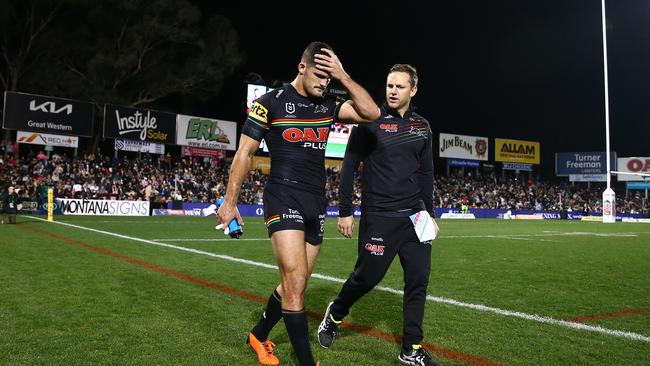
(397, 160)
(295, 129)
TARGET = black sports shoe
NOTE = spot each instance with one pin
(417, 357)
(327, 328)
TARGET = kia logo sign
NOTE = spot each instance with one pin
(49, 107)
(45, 114)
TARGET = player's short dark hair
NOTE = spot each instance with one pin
(413, 73)
(313, 49)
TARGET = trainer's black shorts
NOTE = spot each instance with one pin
(292, 209)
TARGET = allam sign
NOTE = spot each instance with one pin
(139, 124)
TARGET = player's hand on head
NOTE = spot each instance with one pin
(330, 63)
(346, 226)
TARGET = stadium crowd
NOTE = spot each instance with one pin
(192, 179)
(163, 179)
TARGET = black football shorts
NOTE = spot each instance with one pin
(292, 209)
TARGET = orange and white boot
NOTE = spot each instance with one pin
(264, 350)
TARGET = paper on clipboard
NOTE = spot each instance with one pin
(424, 226)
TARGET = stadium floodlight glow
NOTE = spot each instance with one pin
(609, 197)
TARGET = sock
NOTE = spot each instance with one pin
(296, 323)
(270, 317)
(407, 348)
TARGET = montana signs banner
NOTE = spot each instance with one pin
(463, 147)
(103, 207)
(39, 113)
(36, 138)
(206, 133)
(139, 124)
(139, 146)
(516, 151)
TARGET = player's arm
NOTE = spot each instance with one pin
(255, 128)
(361, 108)
(353, 156)
(241, 164)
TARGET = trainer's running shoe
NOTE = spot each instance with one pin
(327, 328)
(417, 357)
(264, 350)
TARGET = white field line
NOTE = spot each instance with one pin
(509, 236)
(479, 307)
(521, 236)
(166, 222)
(334, 238)
(533, 237)
(230, 239)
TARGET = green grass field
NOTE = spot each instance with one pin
(105, 292)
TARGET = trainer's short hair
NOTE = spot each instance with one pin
(313, 49)
(413, 73)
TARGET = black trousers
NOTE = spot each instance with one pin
(9, 218)
(380, 240)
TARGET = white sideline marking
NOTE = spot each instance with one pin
(526, 236)
(230, 239)
(336, 238)
(479, 307)
(166, 222)
(530, 237)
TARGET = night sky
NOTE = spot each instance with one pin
(513, 69)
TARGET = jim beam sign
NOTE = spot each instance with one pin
(139, 124)
(463, 147)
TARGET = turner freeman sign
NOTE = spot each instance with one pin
(581, 163)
